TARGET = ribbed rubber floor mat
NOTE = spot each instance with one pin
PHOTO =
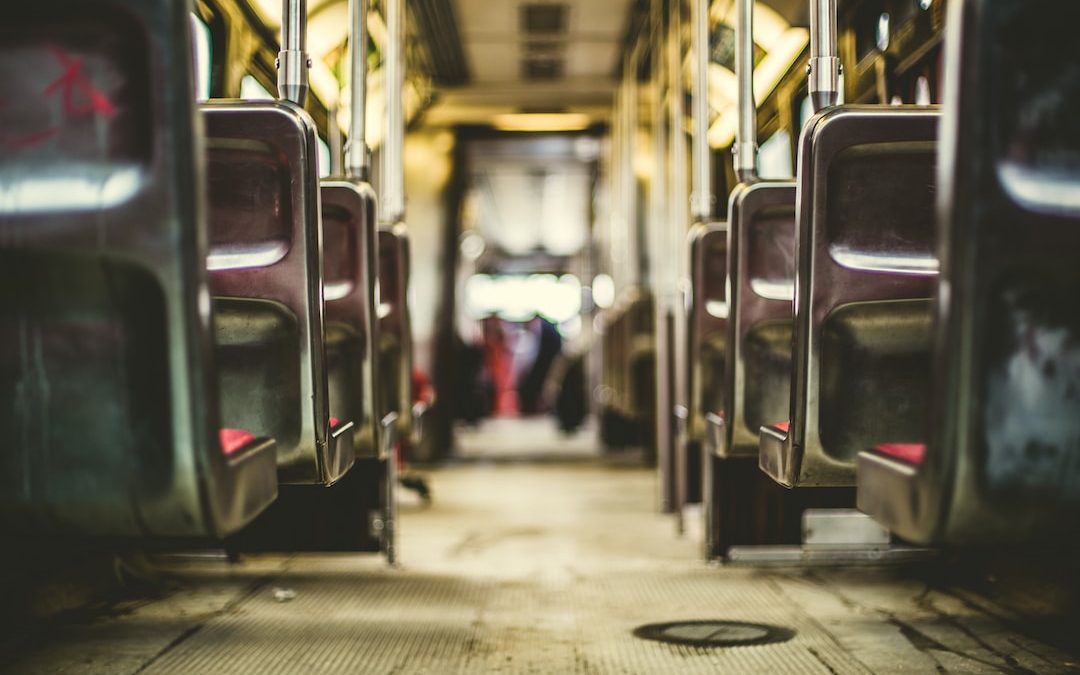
(342, 621)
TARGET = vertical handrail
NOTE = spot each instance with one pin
(746, 148)
(701, 197)
(293, 61)
(632, 247)
(824, 69)
(618, 185)
(393, 179)
(357, 162)
(337, 150)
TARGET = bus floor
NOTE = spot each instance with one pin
(539, 566)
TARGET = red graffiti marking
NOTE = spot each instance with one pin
(71, 80)
(69, 85)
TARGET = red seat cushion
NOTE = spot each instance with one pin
(234, 439)
(912, 453)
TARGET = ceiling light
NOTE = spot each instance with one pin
(541, 122)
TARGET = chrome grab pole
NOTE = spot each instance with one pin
(357, 161)
(293, 61)
(393, 178)
(701, 197)
(824, 69)
(746, 148)
(334, 139)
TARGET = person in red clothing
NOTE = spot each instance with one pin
(498, 362)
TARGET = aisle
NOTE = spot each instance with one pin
(529, 568)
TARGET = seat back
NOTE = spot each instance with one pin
(266, 277)
(1003, 446)
(761, 268)
(707, 322)
(866, 269)
(108, 398)
(349, 265)
(639, 357)
(395, 330)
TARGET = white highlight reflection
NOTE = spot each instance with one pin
(245, 256)
(336, 290)
(773, 290)
(1046, 191)
(717, 308)
(85, 188)
(869, 261)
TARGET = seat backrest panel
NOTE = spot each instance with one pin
(866, 271)
(873, 225)
(761, 259)
(110, 382)
(1002, 464)
(707, 321)
(1017, 213)
(349, 268)
(265, 227)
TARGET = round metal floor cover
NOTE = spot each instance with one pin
(714, 633)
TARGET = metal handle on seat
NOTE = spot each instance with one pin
(293, 61)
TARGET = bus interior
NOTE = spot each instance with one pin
(539, 336)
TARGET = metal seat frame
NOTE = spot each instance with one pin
(395, 335)
(708, 284)
(826, 282)
(350, 301)
(730, 435)
(280, 131)
(180, 484)
(999, 465)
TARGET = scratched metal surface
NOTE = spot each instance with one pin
(532, 568)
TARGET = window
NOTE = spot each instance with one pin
(324, 158)
(774, 157)
(202, 51)
(251, 90)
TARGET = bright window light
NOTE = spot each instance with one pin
(324, 159)
(883, 33)
(520, 298)
(774, 157)
(922, 91)
(541, 122)
(251, 90)
(201, 38)
(603, 291)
